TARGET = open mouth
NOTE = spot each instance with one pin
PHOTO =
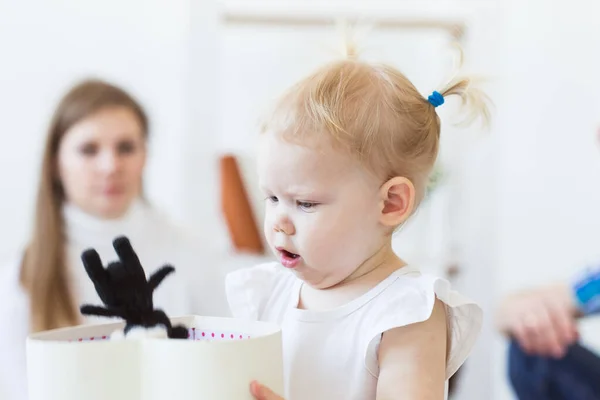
(288, 254)
(289, 259)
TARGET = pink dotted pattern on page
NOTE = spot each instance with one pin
(193, 334)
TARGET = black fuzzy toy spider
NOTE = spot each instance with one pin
(126, 293)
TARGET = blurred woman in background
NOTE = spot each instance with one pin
(90, 191)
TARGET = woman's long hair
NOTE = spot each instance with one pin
(44, 271)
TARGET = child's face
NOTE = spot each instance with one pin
(322, 210)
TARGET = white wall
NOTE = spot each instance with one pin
(551, 156)
(46, 45)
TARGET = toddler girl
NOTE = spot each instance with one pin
(344, 161)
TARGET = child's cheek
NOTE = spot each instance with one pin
(268, 226)
(316, 238)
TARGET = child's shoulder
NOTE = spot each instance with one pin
(409, 297)
(418, 290)
(249, 289)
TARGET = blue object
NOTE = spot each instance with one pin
(576, 376)
(586, 288)
(436, 99)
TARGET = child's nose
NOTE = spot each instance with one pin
(284, 225)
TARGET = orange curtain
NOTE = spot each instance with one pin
(241, 222)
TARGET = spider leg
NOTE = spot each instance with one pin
(96, 272)
(157, 277)
(178, 332)
(99, 311)
(129, 258)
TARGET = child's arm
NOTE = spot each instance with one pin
(412, 359)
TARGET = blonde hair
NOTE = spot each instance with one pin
(373, 112)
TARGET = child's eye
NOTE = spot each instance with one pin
(272, 199)
(307, 206)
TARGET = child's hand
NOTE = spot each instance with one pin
(261, 392)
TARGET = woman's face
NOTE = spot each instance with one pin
(101, 162)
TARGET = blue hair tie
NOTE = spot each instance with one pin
(436, 99)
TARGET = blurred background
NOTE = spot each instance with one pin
(516, 205)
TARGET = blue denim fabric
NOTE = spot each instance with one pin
(576, 376)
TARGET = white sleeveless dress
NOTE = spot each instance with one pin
(333, 354)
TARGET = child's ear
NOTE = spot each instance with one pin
(398, 198)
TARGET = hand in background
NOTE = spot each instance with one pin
(543, 321)
(261, 392)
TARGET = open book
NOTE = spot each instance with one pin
(217, 362)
